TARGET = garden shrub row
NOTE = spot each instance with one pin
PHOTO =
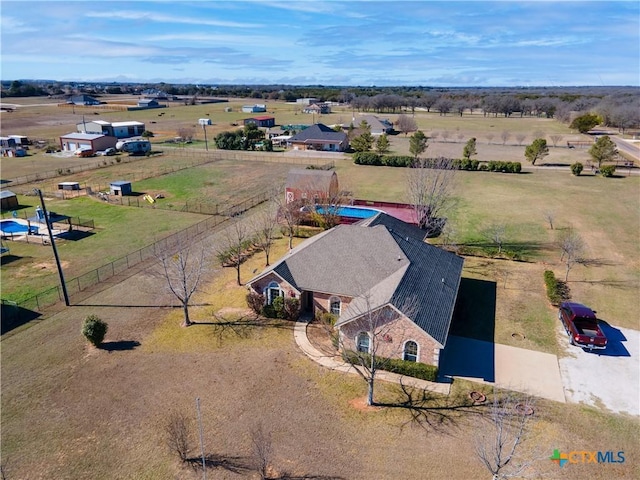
(554, 287)
(371, 158)
(396, 365)
(281, 307)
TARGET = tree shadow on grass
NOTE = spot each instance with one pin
(437, 413)
(244, 326)
(234, 464)
(119, 346)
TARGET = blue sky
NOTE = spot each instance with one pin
(428, 43)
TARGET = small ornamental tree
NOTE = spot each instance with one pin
(94, 329)
(576, 168)
(537, 150)
(469, 149)
(603, 150)
(418, 144)
(382, 144)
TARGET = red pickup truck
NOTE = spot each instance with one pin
(581, 325)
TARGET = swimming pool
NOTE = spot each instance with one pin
(350, 212)
(12, 226)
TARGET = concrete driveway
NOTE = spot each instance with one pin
(526, 371)
(610, 377)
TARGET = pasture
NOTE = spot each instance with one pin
(72, 411)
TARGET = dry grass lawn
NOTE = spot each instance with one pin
(72, 411)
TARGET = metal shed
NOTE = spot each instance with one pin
(120, 187)
(69, 186)
(8, 200)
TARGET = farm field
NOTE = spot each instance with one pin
(73, 411)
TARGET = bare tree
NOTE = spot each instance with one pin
(183, 271)
(234, 245)
(406, 124)
(445, 135)
(496, 233)
(505, 135)
(265, 224)
(179, 434)
(430, 187)
(499, 445)
(489, 137)
(186, 133)
(555, 139)
(549, 216)
(572, 247)
(520, 138)
(262, 450)
(372, 349)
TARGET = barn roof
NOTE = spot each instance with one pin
(7, 194)
(83, 136)
(313, 180)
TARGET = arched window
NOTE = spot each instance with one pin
(273, 291)
(410, 353)
(334, 306)
(362, 342)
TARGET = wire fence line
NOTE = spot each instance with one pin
(199, 157)
(17, 312)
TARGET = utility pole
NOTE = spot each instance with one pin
(55, 250)
(204, 465)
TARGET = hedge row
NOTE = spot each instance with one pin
(371, 158)
(396, 365)
(554, 287)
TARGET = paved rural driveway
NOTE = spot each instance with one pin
(609, 378)
(512, 368)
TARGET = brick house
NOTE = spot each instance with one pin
(380, 268)
(320, 137)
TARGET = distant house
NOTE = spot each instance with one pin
(380, 267)
(262, 121)
(307, 100)
(149, 103)
(90, 141)
(112, 129)
(319, 108)
(155, 94)
(303, 184)
(83, 100)
(378, 126)
(254, 108)
(320, 137)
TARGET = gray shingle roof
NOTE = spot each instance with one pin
(319, 132)
(378, 261)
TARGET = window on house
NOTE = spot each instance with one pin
(273, 291)
(334, 306)
(410, 351)
(362, 342)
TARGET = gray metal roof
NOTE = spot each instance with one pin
(6, 194)
(378, 261)
(83, 136)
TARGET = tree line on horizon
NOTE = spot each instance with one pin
(616, 106)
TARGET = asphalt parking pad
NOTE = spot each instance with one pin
(511, 368)
(610, 377)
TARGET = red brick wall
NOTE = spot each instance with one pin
(391, 336)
